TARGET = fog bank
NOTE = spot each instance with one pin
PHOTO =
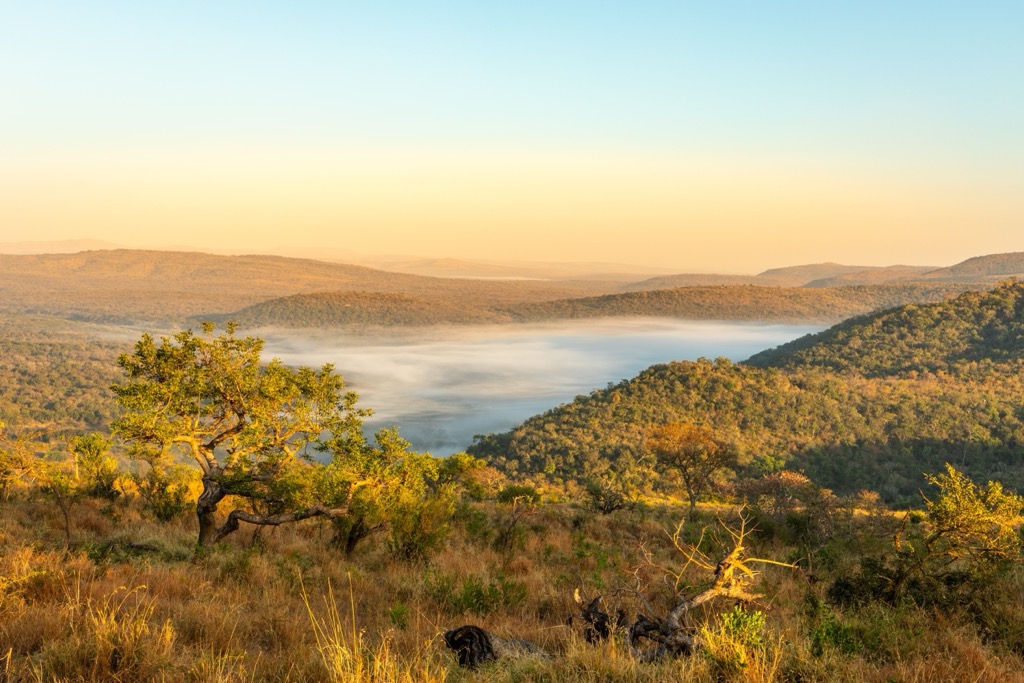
(443, 386)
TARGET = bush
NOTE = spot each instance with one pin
(833, 634)
(737, 645)
(166, 492)
(518, 492)
(473, 594)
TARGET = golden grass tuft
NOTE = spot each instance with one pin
(348, 657)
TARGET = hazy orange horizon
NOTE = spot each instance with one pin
(687, 137)
(702, 215)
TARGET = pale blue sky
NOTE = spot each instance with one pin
(927, 94)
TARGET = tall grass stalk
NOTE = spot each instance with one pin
(349, 658)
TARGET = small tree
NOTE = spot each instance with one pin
(967, 535)
(616, 486)
(60, 483)
(967, 525)
(690, 453)
(247, 426)
(367, 479)
(97, 471)
(516, 502)
(385, 486)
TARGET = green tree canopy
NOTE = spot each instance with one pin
(249, 426)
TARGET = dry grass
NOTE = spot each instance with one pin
(130, 603)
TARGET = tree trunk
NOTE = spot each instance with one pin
(67, 520)
(206, 510)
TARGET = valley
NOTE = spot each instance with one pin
(585, 408)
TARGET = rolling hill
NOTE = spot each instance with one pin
(354, 309)
(130, 286)
(871, 403)
(746, 303)
(739, 302)
(133, 285)
(991, 267)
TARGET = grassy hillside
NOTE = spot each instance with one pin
(129, 602)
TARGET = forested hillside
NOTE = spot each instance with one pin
(740, 302)
(725, 302)
(54, 377)
(977, 329)
(356, 309)
(872, 403)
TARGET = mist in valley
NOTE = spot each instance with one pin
(444, 385)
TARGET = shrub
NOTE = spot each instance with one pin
(166, 491)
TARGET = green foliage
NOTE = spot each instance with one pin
(968, 537)
(474, 594)
(971, 522)
(399, 616)
(523, 493)
(746, 627)
(420, 524)
(616, 487)
(166, 490)
(736, 644)
(833, 634)
(248, 426)
(790, 505)
(19, 466)
(97, 471)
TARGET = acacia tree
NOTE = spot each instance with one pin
(691, 453)
(248, 426)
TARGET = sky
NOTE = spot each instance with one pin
(691, 136)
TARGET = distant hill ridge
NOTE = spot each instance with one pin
(126, 285)
(810, 275)
(992, 266)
